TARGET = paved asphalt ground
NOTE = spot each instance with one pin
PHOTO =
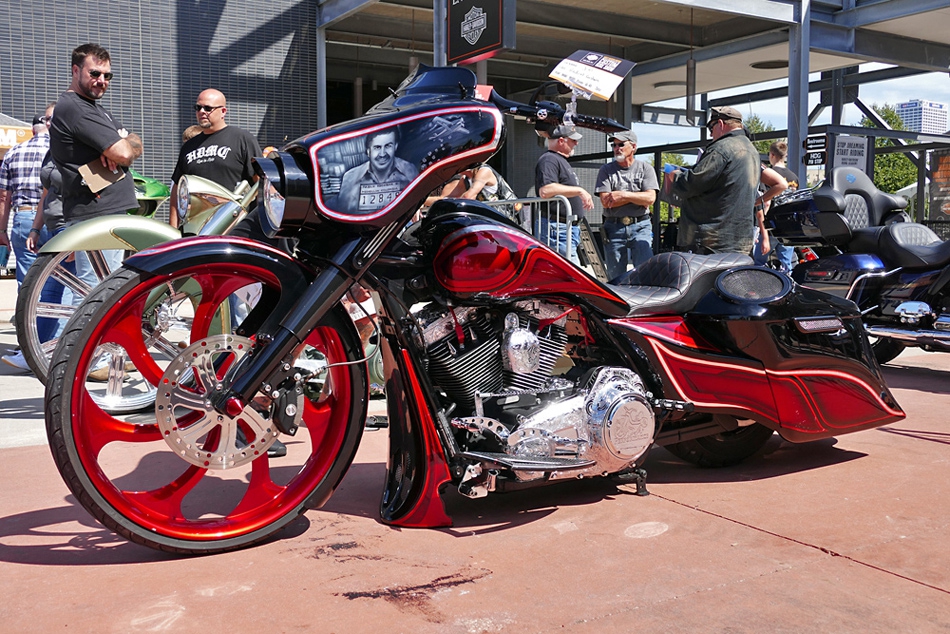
(844, 535)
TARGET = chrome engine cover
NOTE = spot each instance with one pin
(609, 421)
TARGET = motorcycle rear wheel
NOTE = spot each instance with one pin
(723, 449)
(124, 470)
(886, 350)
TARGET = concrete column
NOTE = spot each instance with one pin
(799, 38)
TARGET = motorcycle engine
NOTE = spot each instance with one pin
(516, 391)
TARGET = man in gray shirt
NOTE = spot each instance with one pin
(627, 187)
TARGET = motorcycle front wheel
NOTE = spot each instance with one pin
(31, 308)
(185, 478)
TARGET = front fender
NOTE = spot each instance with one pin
(168, 258)
(119, 231)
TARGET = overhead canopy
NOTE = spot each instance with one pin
(734, 42)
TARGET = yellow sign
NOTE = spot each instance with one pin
(10, 135)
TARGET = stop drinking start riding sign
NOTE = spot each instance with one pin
(479, 29)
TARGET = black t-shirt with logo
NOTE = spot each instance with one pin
(80, 131)
(223, 157)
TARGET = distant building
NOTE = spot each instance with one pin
(929, 117)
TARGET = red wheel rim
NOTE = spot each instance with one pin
(183, 501)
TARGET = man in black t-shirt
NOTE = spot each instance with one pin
(554, 176)
(84, 133)
(221, 153)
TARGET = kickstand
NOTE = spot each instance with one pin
(638, 477)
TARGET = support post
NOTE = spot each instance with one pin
(439, 34)
(799, 37)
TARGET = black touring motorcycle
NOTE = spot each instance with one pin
(506, 366)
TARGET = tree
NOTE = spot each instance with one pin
(891, 171)
(755, 125)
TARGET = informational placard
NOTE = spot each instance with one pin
(815, 143)
(479, 29)
(851, 151)
(594, 74)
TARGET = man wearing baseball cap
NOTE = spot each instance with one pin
(627, 187)
(719, 192)
(553, 176)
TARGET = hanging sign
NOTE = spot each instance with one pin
(594, 74)
(479, 29)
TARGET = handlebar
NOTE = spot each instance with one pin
(552, 114)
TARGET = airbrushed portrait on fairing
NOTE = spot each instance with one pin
(506, 365)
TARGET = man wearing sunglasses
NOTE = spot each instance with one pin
(85, 136)
(221, 153)
(719, 192)
(627, 188)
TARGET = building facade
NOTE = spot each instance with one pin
(929, 117)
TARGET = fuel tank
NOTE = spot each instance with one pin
(481, 255)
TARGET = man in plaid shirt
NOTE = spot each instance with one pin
(20, 190)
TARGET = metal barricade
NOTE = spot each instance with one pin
(529, 214)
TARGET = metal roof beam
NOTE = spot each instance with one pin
(779, 36)
(866, 14)
(874, 46)
(330, 11)
(771, 10)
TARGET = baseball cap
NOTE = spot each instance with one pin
(724, 112)
(566, 132)
(39, 119)
(626, 135)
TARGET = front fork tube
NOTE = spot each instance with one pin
(276, 341)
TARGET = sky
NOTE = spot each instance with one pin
(927, 87)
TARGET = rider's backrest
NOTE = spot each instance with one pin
(865, 204)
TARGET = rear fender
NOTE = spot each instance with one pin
(119, 231)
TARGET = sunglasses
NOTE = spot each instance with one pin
(202, 108)
(96, 74)
(618, 143)
(712, 124)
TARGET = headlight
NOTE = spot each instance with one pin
(182, 197)
(273, 208)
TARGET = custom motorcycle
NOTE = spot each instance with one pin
(506, 366)
(897, 272)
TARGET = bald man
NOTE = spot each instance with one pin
(221, 153)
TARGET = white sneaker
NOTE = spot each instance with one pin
(17, 360)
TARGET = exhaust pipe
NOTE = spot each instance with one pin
(936, 338)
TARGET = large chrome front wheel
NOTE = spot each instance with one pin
(186, 478)
(40, 316)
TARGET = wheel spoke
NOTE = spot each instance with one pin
(55, 311)
(261, 488)
(166, 500)
(98, 428)
(99, 264)
(69, 280)
(215, 290)
(127, 333)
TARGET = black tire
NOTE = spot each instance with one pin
(723, 449)
(87, 444)
(886, 350)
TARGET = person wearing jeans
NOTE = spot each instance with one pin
(627, 188)
(553, 176)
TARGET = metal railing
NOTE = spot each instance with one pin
(533, 214)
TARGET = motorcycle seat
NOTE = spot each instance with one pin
(864, 204)
(673, 282)
(911, 246)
